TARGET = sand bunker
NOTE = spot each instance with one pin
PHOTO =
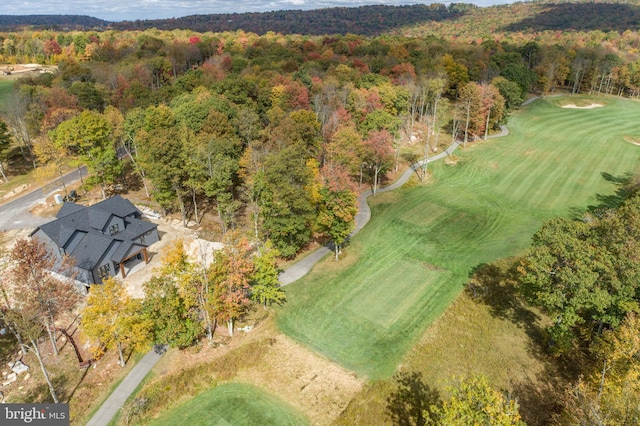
(574, 106)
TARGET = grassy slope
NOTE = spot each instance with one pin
(5, 88)
(422, 243)
(232, 404)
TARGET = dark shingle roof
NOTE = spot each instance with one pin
(94, 245)
(91, 249)
(68, 208)
(98, 219)
(136, 227)
(116, 205)
(124, 249)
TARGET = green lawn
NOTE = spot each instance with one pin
(6, 86)
(233, 404)
(422, 243)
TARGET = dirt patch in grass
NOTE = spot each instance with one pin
(452, 160)
(632, 139)
(574, 106)
(264, 358)
(312, 384)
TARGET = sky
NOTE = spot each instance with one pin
(121, 10)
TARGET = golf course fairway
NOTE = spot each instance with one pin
(410, 262)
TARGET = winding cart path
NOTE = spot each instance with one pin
(303, 266)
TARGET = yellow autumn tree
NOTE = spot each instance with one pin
(474, 402)
(115, 320)
(610, 395)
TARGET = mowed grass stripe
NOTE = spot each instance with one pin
(412, 264)
(385, 298)
(549, 193)
(603, 154)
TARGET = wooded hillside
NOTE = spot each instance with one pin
(455, 20)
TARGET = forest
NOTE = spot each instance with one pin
(533, 17)
(275, 133)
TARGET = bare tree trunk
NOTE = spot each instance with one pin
(486, 126)
(195, 204)
(207, 321)
(397, 156)
(466, 127)
(255, 220)
(576, 81)
(222, 222)
(81, 178)
(454, 130)
(36, 350)
(604, 372)
(601, 83)
(120, 354)
(230, 326)
(435, 115)
(6, 179)
(376, 170)
(202, 299)
(183, 213)
(52, 338)
(426, 159)
(138, 169)
(64, 185)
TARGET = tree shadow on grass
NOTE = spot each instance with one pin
(84, 374)
(539, 397)
(413, 401)
(495, 285)
(17, 164)
(626, 185)
(40, 393)
(539, 401)
(8, 347)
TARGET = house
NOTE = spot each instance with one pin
(104, 239)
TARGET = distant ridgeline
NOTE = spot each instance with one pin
(54, 22)
(412, 20)
(364, 20)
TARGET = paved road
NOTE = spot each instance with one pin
(118, 397)
(303, 266)
(15, 214)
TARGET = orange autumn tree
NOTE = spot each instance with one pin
(230, 275)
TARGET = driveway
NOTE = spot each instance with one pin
(15, 214)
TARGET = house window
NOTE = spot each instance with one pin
(113, 229)
(104, 270)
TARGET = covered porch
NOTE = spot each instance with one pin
(133, 256)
